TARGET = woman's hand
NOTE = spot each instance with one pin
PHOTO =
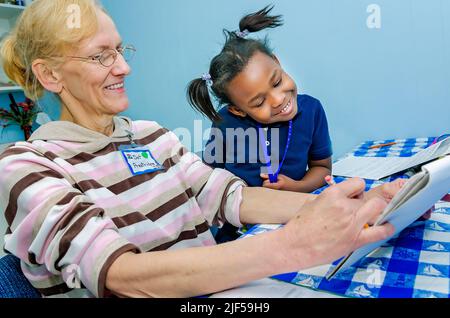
(385, 191)
(332, 225)
(388, 190)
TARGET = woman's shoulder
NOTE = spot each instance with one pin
(21, 152)
(150, 131)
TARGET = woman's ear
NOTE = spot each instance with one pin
(236, 111)
(48, 78)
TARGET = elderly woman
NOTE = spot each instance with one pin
(101, 205)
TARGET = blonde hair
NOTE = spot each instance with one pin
(43, 31)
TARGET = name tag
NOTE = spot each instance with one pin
(141, 161)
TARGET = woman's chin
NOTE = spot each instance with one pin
(118, 106)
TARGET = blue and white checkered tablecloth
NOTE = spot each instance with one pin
(414, 264)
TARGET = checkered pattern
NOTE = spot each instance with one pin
(415, 264)
(402, 148)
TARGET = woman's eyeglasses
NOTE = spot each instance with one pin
(109, 56)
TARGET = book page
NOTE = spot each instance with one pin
(375, 168)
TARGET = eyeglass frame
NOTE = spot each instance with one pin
(97, 57)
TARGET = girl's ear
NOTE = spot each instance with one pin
(236, 111)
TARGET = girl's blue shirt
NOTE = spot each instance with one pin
(234, 143)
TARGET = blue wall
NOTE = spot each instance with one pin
(374, 83)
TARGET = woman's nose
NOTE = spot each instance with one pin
(120, 66)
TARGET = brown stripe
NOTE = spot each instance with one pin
(224, 198)
(170, 205)
(102, 290)
(87, 185)
(82, 157)
(54, 290)
(17, 151)
(152, 137)
(58, 289)
(68, 198)
(24, 183)
(72, 212)
(129, 219)
(114, 146)
(32, 258)
(186, 235)
(73, 231)
(50, 155)
(134, 181)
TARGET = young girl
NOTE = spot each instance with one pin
(266, 134)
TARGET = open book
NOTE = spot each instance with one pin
(418, 195)
(375, 168)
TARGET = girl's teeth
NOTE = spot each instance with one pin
(286, 108)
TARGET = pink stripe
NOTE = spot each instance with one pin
(140, 201)
(24, 233)
(210, 197)
(141, 125)
(90, 255)
(106, 170)
(173, 183)
(52, 147)
(176, 226)
(44, 193)
(11, 168)
(68, 145)
(199, 172)
(166, 146)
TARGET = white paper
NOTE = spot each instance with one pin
(375, 168)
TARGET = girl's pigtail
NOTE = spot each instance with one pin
(199, 98)
(260, 20)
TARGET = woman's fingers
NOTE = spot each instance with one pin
(374, 234)
(351, 188)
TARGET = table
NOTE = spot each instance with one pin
(415, 264)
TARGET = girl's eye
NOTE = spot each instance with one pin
(260, 104)
(278, 83)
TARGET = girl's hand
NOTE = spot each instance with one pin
(283, 183)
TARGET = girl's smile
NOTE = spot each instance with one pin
(263, 91)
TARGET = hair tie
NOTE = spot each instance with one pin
(207, 78)
(242, 34)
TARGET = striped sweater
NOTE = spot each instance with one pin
(72, 205)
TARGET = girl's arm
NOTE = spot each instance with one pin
(313, 179)
(315, 176)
